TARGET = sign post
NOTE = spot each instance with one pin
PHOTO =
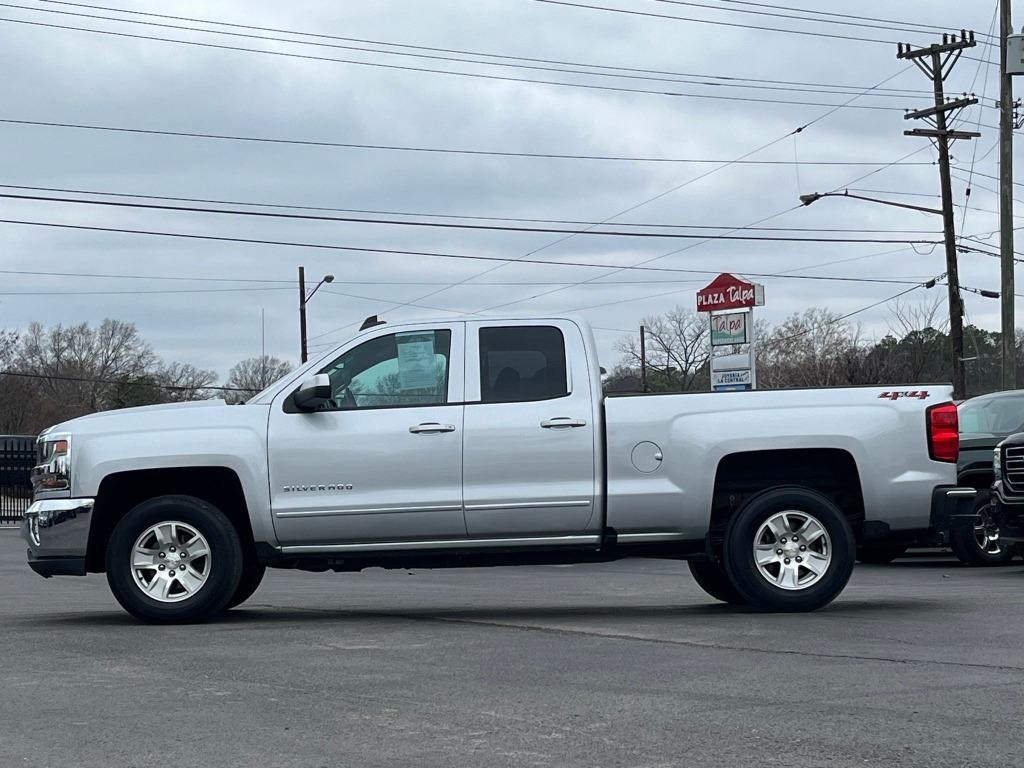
(729, 302)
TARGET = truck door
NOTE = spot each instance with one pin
(383, 460)
(529, 443)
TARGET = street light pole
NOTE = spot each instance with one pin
(302, 314)
(303, 300)
(1007, 326)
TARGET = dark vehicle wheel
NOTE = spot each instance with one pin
(789, 549)
(879, 554)
(174, 559)
(252, 575)
(979, 544)
(712, 578)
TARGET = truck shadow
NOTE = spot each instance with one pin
(267, 614)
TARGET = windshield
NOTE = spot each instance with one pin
(998, 415)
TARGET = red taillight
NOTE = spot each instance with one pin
(943, 433)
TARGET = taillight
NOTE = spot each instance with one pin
(943, 433)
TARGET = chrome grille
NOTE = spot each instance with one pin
(1013, 467)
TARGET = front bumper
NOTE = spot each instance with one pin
(1007, 514)
(57, 533)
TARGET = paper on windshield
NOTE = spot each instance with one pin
(416, 367)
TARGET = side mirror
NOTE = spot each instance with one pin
(313, 392)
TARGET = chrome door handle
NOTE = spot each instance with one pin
(431, 428)
(563, 422)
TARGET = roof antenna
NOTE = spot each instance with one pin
(371, 322)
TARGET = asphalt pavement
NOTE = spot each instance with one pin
(919, 663)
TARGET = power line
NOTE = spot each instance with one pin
(394, 251)
(562, 66)
(445, 225)
(351, 282)
(704, 240)
(400, 148)
(144, 277)
(323, 36)
(407, 68)
(861, 24)
(438, 215)
(923, 27)
(716, 22)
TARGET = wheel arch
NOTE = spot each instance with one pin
(120, 492)
(741, 476)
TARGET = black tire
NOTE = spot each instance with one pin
(967, 545)
(747, 577)
(252, 574)
(712, 578)
(224, 563)
(879, 554)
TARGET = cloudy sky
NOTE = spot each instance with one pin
(56, 74)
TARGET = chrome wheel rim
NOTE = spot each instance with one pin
(986, 535)
(792, 550)
(171, 561)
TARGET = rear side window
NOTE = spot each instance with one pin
(522, 363)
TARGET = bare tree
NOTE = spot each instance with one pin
(253, 375)
(80, 367)
(183, 381)
(16, 392)
(677, 349)
(813, 349)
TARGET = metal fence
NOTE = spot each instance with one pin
(17, 455)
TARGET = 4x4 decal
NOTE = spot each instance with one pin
(920, 394)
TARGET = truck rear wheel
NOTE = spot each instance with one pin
(174, 559)
(978, 543)
(712, 578)
(789, 549)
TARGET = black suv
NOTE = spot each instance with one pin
(985, 421)
(1008, 490)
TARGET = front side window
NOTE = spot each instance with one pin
(404, 369)
(522, 363)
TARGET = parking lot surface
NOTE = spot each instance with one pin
(920, 663)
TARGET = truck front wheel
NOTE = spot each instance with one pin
(789, 549)
(174, 559)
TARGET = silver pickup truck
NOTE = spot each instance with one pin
(444, 444)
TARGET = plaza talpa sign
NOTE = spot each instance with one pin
(729, 302)
(729, 292)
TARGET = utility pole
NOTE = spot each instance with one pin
(937, 61)
(1006, 123)
(643, 359)
(302, 314)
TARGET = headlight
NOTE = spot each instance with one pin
(997, 462)
(53, 472)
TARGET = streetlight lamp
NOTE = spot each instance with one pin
(815, 197)
(303, 300)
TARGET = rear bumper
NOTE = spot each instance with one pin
(1008, 514)
(950, 506)
(57, 534)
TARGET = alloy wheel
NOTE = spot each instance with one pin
(171, 561)
(792, 550)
